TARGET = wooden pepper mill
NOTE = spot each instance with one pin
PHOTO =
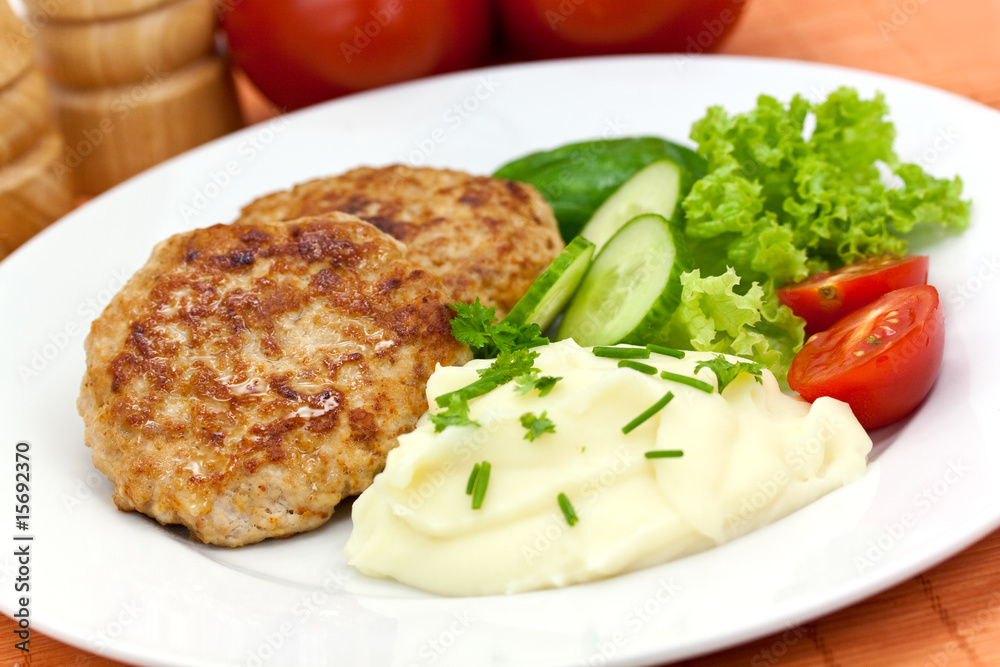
(34, 185)
(133, 82)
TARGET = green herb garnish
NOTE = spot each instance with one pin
(472, 480)
(637, 366)
(666, 351)
(726, 371)
(536, 426)
(509, 365)
(479, 484)
(456, 413)
(649, 412)
(621, 352)
(567, 509)
(532, 380)
(510, 344)
(476, 325)
(689, 381)
(664, 454)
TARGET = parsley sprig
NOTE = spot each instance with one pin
(726, 371)
(536, 425)
(533, 380)
(476, 325)
(456, 414)
(509, 344)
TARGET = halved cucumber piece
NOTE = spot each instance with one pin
(552, 290)
(577, 178)
(655, 188)
(631, 288)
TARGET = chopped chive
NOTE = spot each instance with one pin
(689, 381)
(637, 366)
(664, 454)
(480, 387)
(668, 351)
(622, 352)
(567, 509)
(472, 480)
(650, 411)
(479, 487)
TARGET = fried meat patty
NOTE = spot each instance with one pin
(251, 375)
(485, 237)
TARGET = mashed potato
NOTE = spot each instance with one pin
(751, 455)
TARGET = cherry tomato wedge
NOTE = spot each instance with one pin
(881, 359)
(824, 298)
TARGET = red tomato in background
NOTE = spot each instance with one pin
(881, 360)
(299, 52)
(560, 28)
(824, 298)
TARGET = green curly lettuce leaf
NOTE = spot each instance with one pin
(781, 201)
(714, 317)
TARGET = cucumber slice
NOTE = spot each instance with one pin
(631, 288)
(577, 178)
(552, 290)
(653, 189)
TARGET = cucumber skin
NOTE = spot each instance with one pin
(649, 327)
(578, 249)
(595, 228)
(577, 178)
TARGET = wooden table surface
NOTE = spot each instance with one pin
(949, 615)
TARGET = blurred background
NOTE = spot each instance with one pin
(93, 92)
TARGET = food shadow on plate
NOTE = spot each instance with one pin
(882, 438)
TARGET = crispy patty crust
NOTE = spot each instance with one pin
(485, 237)
(252, 375)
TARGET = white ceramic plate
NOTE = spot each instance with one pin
(120, 585)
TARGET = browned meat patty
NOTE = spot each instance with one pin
(485, 237)
(252, 375)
